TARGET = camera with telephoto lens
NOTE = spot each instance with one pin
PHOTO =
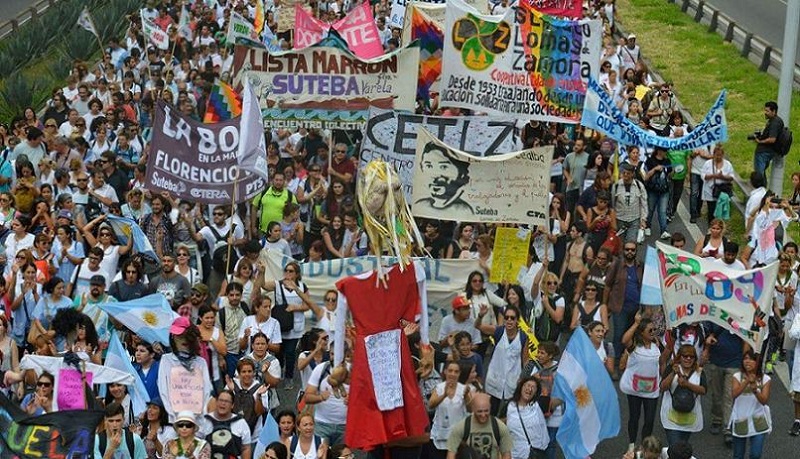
(755, 135)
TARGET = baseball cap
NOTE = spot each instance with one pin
(200, 288)
(186, 416)
(97, 279)
(179, 325)
(460, 301)
(64, 213)
(631, 36)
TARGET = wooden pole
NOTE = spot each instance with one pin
(233, 225)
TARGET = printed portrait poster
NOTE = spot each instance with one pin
(450, 184)
(698, 289)
(524, 63)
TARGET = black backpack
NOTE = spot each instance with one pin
(224, 444)
(546, 329)
(658, 183)
(245, 404)
(683, 399)
(219, 253)
(784, 142)
(279, 312)
(465, 451)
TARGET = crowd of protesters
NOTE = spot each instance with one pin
(65, 170)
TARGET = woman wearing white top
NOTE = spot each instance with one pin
(750, 416)
(105, 240)
(597, 333)
(306, 444)
(450, 400)
(688, 375)
(642, 377)
(526, 422)
(294, 293)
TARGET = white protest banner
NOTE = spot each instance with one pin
(600, 113)
(240, 27)
(392, 136)
(154, 34)
(399, 11)
(695, 289)
(328, 79)
(197, 162)
(452, 185)
(446, 277)
(524, 63)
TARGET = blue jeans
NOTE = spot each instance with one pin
(657, 202)
(230, 364)
(677, 436)
(756, 446)
(790, 362)
(550, 452)
(333, 433)
(695, 197)
(762, 160)
(287, 356)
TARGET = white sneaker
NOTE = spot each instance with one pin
(647, 231)
(665, 235)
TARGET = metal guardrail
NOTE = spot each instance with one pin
(754, 48)
(11, 26)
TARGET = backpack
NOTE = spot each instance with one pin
(465, 451)
(296, 439)
(658, 183)
(546, 329)
(103, 442)
(279, 312)
(301, 402)
(585, 318)
(245, 404)
(224, 444)
(219, 253)
(784, 142)
(683, 399)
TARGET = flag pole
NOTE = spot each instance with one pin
(233, 225)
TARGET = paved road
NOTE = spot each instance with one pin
(11, 8)
(767, 23)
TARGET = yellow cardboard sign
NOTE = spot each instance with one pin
(510, 254)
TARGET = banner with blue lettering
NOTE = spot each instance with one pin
(446, 278)
(600, 113)
(695, 289)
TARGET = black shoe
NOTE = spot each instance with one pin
(795, 430)
(716, 429)
(728, 440)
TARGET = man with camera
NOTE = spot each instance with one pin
(766, 140)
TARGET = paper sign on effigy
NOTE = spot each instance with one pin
(450, 184)
(71, 393)
(186, 389)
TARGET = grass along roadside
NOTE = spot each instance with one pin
(701, 64)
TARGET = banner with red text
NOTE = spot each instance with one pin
(566, 8)
(323, 79)
(697, 289)
(524, 63)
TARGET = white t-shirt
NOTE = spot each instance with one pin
(333, 410)
(270, 327)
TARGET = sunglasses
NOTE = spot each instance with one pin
(82, 180)
(330, 300)
(590, 289)
(687, 356)
(50, 125)
(511, 317)
(183, 254)
(184, 425)
(43, 384)
(552, 283)
(221, 214)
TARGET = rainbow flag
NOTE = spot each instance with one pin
(431, 41)
(223, 103)
(258, 22)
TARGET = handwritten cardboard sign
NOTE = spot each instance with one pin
(510, 254)
(186, 389)
(71, 395)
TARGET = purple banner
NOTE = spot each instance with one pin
(197, 161)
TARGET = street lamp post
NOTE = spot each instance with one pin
(785, 84)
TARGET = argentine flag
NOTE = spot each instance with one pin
(118, 359)
(124, 228)
(591, 411)
(149, 317)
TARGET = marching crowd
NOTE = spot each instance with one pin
(64, 171)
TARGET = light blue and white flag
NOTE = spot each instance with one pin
(118, 359)
(125, 228)
(600, 113)
(269, 433)
(650, 293)
(591, 411)
(149, 317)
